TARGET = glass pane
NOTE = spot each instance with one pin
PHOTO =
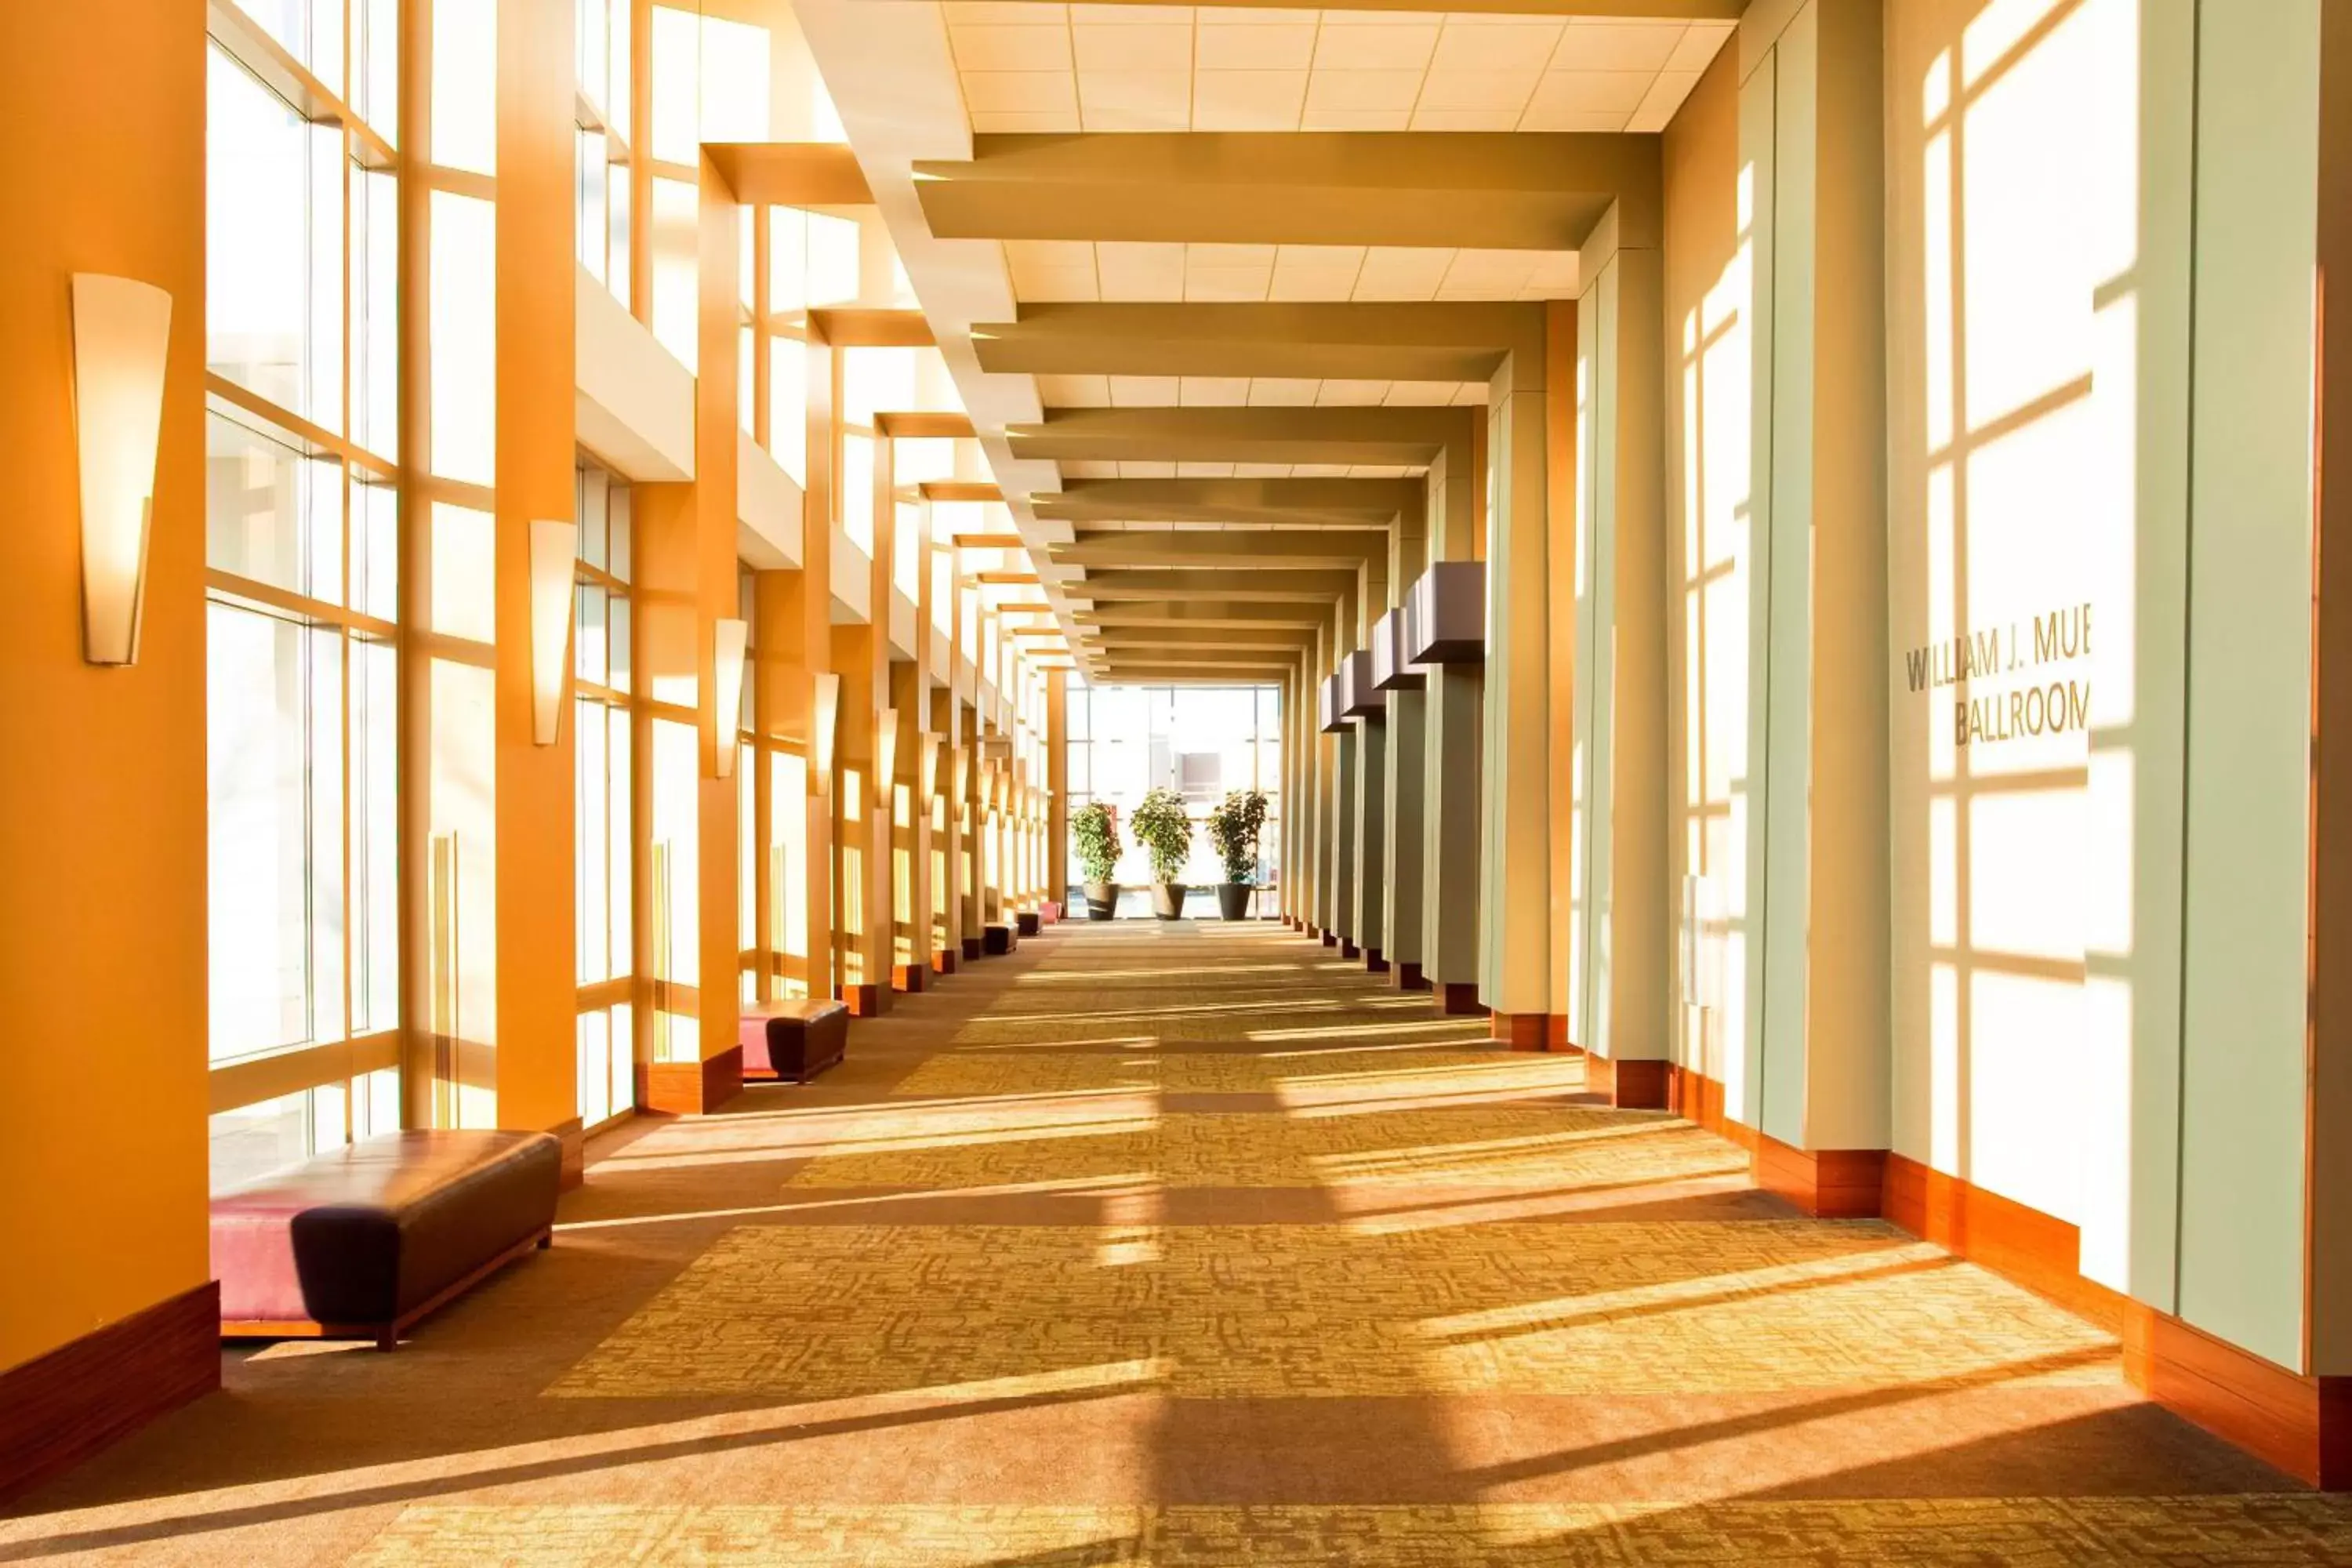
(624, 1064)
(788, 372)
(375, 64)
(620, 864)
(592, 892)
(271, 514)
(462, 307)
(375, 312)
(596, 1070)
(375, 548)
(734, 88)
(616, 99)
(619, 236)
(253, 1141)
(676, 84)
(375, 836)
(787, 262)
(831, 259)
(619, 509)
(857, 491)
(325, 753)
(676, 217)
(376, 1109)
(256, 786)
(465, 85)
(257, 236)
(594, 230)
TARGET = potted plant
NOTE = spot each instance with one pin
(1166, 835)
(1094, 833)
(1234, 828)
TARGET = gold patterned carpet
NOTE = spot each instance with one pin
(1190, 1245)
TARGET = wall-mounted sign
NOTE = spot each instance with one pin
(2030, 696)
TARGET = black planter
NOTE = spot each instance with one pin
(1168, 900)
(1233, 899)
(1102, 900)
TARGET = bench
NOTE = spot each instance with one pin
(996, 939)
(795, 1039)
(364, 1241)
(1027, 922)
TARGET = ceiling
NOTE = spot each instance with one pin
(1219, 285)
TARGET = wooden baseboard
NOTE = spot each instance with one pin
(1520, 1031)
(866, 1000)
(574, 1137)
(2299, 1423)
(1331, 939)
(1458, 999)
(1629, 1085)
(943, 961)
(909, 977)
(1827, 1183)
(690, 1089)
(972, 950)
(1406, 976)
(63, 1406)
(1555, 1035)
(1373, 963)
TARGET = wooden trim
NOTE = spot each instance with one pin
(2299, 1423)
(924, 425)
(385, 1335)
(1628, 1084)
(268, 596)
(1555, 1035)
(289, 428)
(232, 1085)
(907, 977)
(1458, 999)
(1373, 963)
(2039, 1251)
(1520, 1031)
(1827, 1183)
(866, 1001)
(65, 1406)
(1406, 976)
(690, 1089)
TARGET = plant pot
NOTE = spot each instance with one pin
(1102, 900)
(1233, 899)
(1168, 900)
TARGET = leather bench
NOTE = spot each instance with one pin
(996, 939)
(362, 1242)
(1027, 922)
(795, 1039)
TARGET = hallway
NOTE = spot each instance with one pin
(1189, 1244)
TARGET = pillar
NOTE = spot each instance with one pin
(1449, 762)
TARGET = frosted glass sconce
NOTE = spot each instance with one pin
(553, 544)
(825, 715)
(729, 640)
(122, 337)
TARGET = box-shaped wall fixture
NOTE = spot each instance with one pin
(1359, 698)
(1391, 671)
(1327, 707)
(122, 337)
(1448, 619)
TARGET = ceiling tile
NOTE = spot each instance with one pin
(1470, 394)
(1666, 95)
(1466, 119)
(1020, 92)
(1089, 469)
(1213, 390)
(1050, 253)
(1281, 392)
(962, 13)
(1134, 270)
(1049, 285)
(1612, 46)
(1221, 45)
(1204, 470)
(1590, 93)
(1419, 394)
(986, 122)
(1136, 100)
(1355, 118)
(1128, 48)
(1494, 43)
(1074, 391)
(1226, 285)
(1249, 100)
(1129, 468)
(1538, 117)
(1361, 91)
(1499, 91)
(1131, 16)
(1394, 272)
(1318, 470)
(1001, 49)
(1698, 46)
(1260, 470)
(1210, 253)
(1351, 394)
(1348, 46)
(1143, 391)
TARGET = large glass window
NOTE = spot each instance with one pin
(603, 819)
(1199, 741)
(302, 512)
(602, 35)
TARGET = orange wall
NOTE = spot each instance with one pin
(102, 1103)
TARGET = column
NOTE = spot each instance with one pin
(1402, 758)
(1449, 762)
(1368, 806)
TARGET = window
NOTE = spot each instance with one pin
(603, 820)
(302, 517)
(1202, 741)
(602, 35)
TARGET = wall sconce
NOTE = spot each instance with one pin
(886, 754)
(931, 781)
(552, 546)
(122, 337)
(729, 639)
(825, 724)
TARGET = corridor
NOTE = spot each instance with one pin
(1189, 1244)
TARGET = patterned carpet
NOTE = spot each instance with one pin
(1190, 1245)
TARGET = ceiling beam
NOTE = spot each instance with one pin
(1663, 10)
(1266, 550)
(1200, 613)
(1492, 190)
(1231, 586)
(1411, 435)
(961, 490)
(862, 328)
(1437, 341)
(792, 173)
(1326, 503)
(924, 425)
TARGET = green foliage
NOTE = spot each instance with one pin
(1234, 828)
(1094, 833)
(1165, 833)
